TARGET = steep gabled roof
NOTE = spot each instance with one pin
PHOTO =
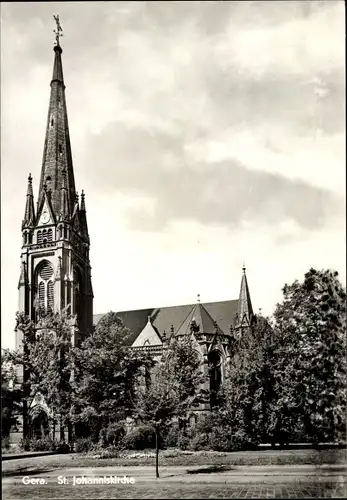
(163, 318)
(202, 319)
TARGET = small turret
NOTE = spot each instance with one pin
(29, 215)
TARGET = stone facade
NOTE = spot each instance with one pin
(55, 268)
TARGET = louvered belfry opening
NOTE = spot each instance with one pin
(45, 288)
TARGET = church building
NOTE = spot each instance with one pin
(56, 273)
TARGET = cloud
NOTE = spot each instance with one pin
(225, 192)
(202, 132)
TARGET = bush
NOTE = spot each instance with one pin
(201, 441)
(220, 439)
(139, 438)
(183, 442)
(115, 434)
(5, 443)
(24, 444)
(172, 437)
(43, 444)
(83, 445)
(61, 447)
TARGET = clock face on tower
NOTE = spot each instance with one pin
(45, 217)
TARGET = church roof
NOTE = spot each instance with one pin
(203, 320)
(162, 318)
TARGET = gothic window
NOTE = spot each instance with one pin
(215, 376)
(39, 237)
(45, 288)
(25, 238)
(49, 235)
(50, 296)
(44, 236)
(52, 122)
(60, 149)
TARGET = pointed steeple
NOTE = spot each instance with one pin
(244, 309)
(57, 148)
(29, 215)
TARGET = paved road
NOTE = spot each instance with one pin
(181, 482)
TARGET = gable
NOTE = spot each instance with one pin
(46, 215)
(148, 336)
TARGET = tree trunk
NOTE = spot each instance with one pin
(156, 453)
(62, 433)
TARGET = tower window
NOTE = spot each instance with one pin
(39, 237)
(60, 149)
(45, 288)
(52, 122)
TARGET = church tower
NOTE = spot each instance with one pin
(55, 267)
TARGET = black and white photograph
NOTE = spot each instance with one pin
(173, 249)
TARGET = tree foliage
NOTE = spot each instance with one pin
(287, 379)
(105, 374)
(45, 358)
(311, 356)
(174, 388)
(10, 395)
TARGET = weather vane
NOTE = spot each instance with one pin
(59, 31)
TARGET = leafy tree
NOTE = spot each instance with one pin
(310, 327)
(248, 391)
(106, 369)
(45, 358)
(10, 395)
(174, 388)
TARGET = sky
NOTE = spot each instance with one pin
(204, 134)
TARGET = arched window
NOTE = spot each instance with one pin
(44, 302)
(39, 237)
(214, 360)
(44, 236)
(49, 235)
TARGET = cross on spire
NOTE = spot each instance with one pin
(59, 31)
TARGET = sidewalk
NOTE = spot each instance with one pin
(27, 454)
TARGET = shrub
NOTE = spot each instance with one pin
(43, 444)
(5, 443)
(201, 441)
(24, 444)
(114, 434)
(183, 442)
(220, 439)
(139, 438)
(83, 445)
(61, 447)
(172, 437)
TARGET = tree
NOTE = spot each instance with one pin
(10, 395)
(310, 327)
(174, 388)
(45, 358)
(248, 391)
(106, 369)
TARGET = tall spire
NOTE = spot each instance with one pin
(29, 215)
(244, 309)
(57, 148)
